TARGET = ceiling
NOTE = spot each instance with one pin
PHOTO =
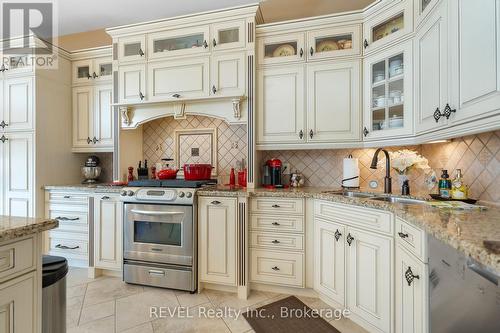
(78, 16)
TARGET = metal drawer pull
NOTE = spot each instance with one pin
(64, 218)
(64, 247)
(275, 223)
(67, 197)
(402, 235)
(337, 235)
(349, 239)
(147, 212)
(3, 139)
(156, 272)
(275, 268)
(276, 206)
(409, 276)
(215, 202)
(105, 197)
(275, 241)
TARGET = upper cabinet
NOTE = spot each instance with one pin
(334, 42)
(388, 25)
(475, 61)
(132, 83)
(422, 9)
(227, 74)
(228, 35)
(179, 42)
(17, 104)
(388, 93)
(281, 49)
(132, 48)
(92, 70)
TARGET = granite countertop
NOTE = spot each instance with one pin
(15, 227)
(464, 230)
(102, 188)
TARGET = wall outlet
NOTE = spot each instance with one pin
(234, 144)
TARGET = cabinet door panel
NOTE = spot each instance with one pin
(411, 298)
(83, 116)
(228, 35)
(370, 278)
(178, 79)
(475, 74)
(178, 42)
(333, 102)
(107, 231)
(132, 83)
(103, 115)
(18, 305)
(280, 111)
(431, 70)
(329, 260)
(132, 48)
(18, 175)
(82, 71)
(217, 237)
(18, 103)
(228, 74)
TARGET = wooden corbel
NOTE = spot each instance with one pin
(236, 108)
(179, 111)
(126, 113)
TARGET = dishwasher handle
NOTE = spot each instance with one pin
(480, 270)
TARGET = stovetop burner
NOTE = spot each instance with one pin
(171, 183)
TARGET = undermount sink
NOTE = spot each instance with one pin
(406, 201)
(351, 194)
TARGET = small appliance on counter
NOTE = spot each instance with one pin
(91, 171)
(272, 174)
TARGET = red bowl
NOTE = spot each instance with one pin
(197, 171)
(167, 174)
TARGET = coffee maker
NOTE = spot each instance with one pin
(271, 175)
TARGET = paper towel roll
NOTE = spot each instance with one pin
(351, 172)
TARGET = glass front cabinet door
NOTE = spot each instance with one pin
(388, 25)
(103, 69)
(281, 49)
(132, 48)
(388, 101)
(228, 35)
(336, 42)
(178, 42)
(82, 71)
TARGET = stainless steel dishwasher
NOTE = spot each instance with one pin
(464, 295)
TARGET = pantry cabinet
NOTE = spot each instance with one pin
(280, 105)
(388, 105)
(475, 61)
(431, 71)
(217, 220)
(17, 104)
(108, 220)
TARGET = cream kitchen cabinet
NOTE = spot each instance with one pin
(17, 104)
(16, 65)
(19, 304)
(422, 9)
(217, 219)
(228, 35)
(329, 259)
(388, 81)
(281, 49)
(174, 79)
(178, 42)
(280, 105)
(333, 101)
(431, 70)
(475, 61)
(411, 275)
(132, 83)
(108, 220)
(334, 42)
(227, 74)
(17, 174)
(92, 70)
(93, 118)
(132, 48)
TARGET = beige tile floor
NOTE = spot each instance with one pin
(107, 305)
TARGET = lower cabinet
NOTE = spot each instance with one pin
(217, 219)
(108, 213)
(411, 293)
(18, 304)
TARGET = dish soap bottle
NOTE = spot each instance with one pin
(444, 185)
(458, 188)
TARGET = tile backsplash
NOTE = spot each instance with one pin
(159, 140)
(478, 156)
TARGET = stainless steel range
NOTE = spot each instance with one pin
(160, 229)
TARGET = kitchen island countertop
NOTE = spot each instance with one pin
(12, 227)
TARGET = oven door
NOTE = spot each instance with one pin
(158, 233)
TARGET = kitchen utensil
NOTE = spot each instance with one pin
(91, 174)
(167, 174)
(142, 172)
(284, 51)
(197, 171)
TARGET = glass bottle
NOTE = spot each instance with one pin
(458, 188)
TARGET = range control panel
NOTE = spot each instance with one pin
(182, 196)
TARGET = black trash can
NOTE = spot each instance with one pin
(54, 294)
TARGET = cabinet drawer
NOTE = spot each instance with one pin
(362, 217)
(68, 220)
(64, 244)
(277, 205)
(277, 267)
(17, 257)
(67, 197)
(411, 238)
(277, 241)
(277, 223)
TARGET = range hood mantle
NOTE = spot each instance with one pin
(231, 109)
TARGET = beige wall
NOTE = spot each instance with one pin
(84, 40)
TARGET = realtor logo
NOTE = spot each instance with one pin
(28, 31)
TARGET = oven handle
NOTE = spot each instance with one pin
(152, 213)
